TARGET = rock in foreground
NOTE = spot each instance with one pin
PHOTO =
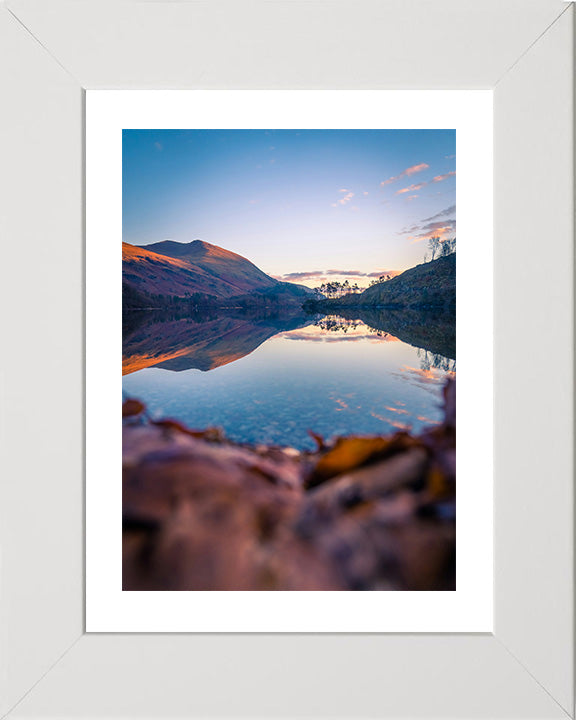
(363, 513)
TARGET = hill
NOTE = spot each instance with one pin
(238, 273)
(430, 285)
(151, 273)
(167, 272)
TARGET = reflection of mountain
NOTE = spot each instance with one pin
(204, 343)
(431, 330)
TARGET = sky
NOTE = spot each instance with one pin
(303, 205)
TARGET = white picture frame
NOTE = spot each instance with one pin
(52, 51)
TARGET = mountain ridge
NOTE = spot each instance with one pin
(180, 270)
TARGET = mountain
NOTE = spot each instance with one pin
(240, 274)
(430, 285)
(161, 273)
(178, 269)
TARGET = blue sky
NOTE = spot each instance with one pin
(304, 205)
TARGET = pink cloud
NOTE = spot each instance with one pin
(406, 173)
(345, 199)
(416, 169)
(411, 188)
(440, 232)
(439, 178)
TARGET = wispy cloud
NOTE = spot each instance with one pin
(419, 186)
(439, 178)
(322, 275)
(345, 199)
(447, 211)
(412, 170)
(409, 230)
(300, 275)
(429, 227)
(437, 229)
(411, 188)
(416, 169)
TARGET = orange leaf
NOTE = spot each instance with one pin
(132, 407)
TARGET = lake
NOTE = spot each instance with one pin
(269, 379)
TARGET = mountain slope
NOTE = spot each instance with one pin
(228, 267)
(157, 274)
(431, 284)
(154, 275)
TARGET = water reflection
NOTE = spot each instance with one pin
(270, 378)
(203, 341)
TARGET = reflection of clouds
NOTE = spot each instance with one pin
(396, 410)
(427, 420)
(427, 379)
(337, 332)
(343, 405)
(393, 423)
(332, 337)
(425, 375)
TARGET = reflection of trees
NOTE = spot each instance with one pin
(433, 330)
(430, 360)
(336, 323)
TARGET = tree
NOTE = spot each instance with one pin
(381, 279)
(434, 246)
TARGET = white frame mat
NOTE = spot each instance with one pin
(53, 50)
(468, 608)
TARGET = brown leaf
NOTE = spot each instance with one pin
(353, 452)
(132, 407)
(438, 485)
(318, 439)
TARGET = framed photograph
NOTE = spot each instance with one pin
(326, 384)
(275, 184)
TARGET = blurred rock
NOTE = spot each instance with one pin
(200, 513)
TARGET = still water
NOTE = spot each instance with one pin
(270, 381)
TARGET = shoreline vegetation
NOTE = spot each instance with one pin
(359, 513)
